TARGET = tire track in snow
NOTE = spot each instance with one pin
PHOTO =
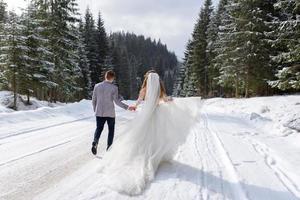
(200, 158)
(34, 153)
(238, 190)
(208, 159)
(212, 154)
(12, 134)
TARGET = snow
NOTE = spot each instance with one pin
(239, 149)
(6, 102)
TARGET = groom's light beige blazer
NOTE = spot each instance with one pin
(105, 94)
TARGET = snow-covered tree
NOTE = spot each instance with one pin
(13, 51)
(200, 56)
(3, 18)
(37, 66)
(63, 41)
(288, 45)
(213, 47)
(188, 87)
(196, 57)
(178, 85)
(83, 64)
(244, 56)
(90, 37)
(102, 47)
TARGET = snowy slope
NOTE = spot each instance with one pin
(6, 101)
(239, 149)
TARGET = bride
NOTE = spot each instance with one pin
(152, 137)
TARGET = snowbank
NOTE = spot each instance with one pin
(13, 123)
(276, 115)
(7, 98)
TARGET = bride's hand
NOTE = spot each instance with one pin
(132, 108)
(168, 99)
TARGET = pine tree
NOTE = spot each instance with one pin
(90, 38)
(253, 44)
(212, 48)
(121, 63)
(12, 57)
(3, 13)
(188, 87)
(287, 43)
(37, 22)
(63, 44)
(228, 69)
(3, 18)
(36, 66)
(102, 47)
(178, 84)
(196, 61)
(244, 54)
(83, 64)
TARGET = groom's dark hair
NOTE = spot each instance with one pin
(110, 74)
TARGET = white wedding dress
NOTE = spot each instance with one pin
(151, 137)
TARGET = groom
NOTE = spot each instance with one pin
(105, 94)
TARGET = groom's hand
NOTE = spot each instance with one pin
(132, 108)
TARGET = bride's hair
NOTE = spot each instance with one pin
(162, 87)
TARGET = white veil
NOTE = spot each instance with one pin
(151, 98)
(152, 92)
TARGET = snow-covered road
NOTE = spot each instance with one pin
(229, 155)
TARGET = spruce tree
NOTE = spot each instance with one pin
(90, 38)
(102, 48)
(244, 53)
(252, 44)
(36, 66)
(83, 64)
(188, 87)
(3, 18)
(287, 59)
(178, 84)
(12, 54)
(196, 79)
(213, 46)
(62, 44)
(229, 73)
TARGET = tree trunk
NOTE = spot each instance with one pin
(205, 81)
(237, 86)
(28, 97)
(247, 83)
(15, 90)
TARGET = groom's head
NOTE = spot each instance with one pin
(110, 75)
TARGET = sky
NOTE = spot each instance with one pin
(171, 21)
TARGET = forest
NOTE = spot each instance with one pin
(51, 52)
(243, 48)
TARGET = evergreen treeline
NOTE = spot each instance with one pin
(51, 53)
(243, 48)
(134, 55)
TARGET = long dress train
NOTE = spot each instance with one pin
(146, 141)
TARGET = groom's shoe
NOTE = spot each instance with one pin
(94, 148)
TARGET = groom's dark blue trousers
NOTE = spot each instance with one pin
(111, 129)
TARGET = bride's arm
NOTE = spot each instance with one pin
(167, 98)
(141, 97)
